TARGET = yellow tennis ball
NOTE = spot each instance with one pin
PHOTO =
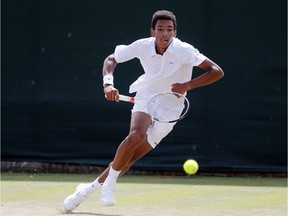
(190, 166)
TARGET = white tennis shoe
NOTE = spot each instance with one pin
(75, 199)
(107, 196)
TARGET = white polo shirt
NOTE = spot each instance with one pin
(161, 71)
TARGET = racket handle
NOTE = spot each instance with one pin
(126, 98)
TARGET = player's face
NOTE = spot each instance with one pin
(164, 32)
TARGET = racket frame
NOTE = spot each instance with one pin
(186, 107)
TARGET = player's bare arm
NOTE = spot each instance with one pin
(213, 73)
(111, 93)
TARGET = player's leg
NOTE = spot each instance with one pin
(84, 190)
(140, 122)
(141, 151)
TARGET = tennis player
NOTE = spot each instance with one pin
(168, 63)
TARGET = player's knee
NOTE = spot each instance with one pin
(136, 137)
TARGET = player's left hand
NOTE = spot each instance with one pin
(179, 88)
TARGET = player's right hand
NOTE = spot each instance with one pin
(111, 93)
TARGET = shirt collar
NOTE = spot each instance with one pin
(153, 50)
(171, 46)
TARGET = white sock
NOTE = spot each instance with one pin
(112, 176)
(114, 173)
(92, 187)
(96, 183)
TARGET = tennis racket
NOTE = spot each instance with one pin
(168, 107)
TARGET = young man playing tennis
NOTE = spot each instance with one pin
(168, 64)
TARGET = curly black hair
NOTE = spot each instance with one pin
(163, 15)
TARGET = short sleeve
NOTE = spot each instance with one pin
(189, 54)
(125, 53)
(196, 58)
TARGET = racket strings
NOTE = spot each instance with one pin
(166, 107)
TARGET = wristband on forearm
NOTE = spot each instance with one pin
(108, 79)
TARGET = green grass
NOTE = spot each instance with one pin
(43, 194)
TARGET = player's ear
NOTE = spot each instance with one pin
(152, 32)
(175, 33)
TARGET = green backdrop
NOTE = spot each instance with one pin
(53, 108)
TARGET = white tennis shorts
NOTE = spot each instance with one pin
(157, 130)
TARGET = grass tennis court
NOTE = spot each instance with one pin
(43, 194)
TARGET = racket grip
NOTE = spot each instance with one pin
(126, 98)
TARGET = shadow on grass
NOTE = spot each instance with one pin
(63, 212)
(89, 213)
